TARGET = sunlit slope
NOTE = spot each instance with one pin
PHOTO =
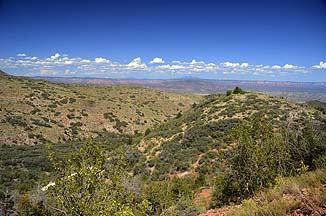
(197, 141)
(299, 195)
(34, 109)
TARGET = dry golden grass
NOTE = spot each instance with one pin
(30, 109)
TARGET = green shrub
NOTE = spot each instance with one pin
(178, 115)
(109, 116)
(259, 156)
(15, 120)
(52, 106)
(72, 100)
(320, 162)
(41, 123)
(64, 101)
(119, 124)
(71, 116)
(238, 90)
(87, 183)
(35, 110)
(228, 92)
(147, 131)
(171, 197)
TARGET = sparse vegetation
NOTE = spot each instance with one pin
(28, 100)
(285, 197)
(155, 153)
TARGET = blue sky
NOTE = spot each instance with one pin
(257, 40)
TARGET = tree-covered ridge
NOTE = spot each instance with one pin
(197, 141)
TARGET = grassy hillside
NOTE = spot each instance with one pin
(176, 151)
(197, 142)
(300, 195)
(34, 109)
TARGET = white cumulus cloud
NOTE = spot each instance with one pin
(194, 62)
(55, 56)
(62, 64)
(171, 67)
(31, 57)
(101, 60)
(157, 61)
(230, 64)
(276, 67)
(85, 61)
(136, 64)
(322, 65)
(289, 66)
(68, 62)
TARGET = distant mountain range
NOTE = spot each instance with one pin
(296, 91)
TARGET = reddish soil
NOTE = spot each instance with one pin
(303, 212)
(218, 212)
(204, 196)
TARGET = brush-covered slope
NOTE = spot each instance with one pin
(299, 195)
(34, 109)
(196, 142)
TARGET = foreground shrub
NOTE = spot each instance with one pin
(258, 158)
(88, 184)
(171, 197)
(305, 195)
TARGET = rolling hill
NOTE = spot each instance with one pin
(197, 141)
(31, 110)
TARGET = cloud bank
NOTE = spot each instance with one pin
(63, 65)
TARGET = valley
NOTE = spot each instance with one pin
(294, 91)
